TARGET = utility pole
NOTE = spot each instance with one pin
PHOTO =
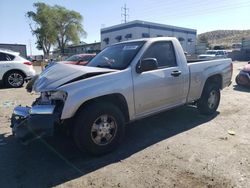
(30, 47)
(125, 14)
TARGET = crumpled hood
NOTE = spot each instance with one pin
(59, 74)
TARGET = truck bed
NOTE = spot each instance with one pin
(200, 70)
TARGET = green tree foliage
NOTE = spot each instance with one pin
(55, 25)
(42, 26)
(202, 39)
(68, 26)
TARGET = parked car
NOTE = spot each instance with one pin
(214, 54)
(123, 83)
(14, 69)
(78, 59)
(243, 78)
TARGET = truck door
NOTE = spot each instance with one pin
(162, 88)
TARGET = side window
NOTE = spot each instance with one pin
(6, 57)
(163, 52)
(2, 57)
(9, 57)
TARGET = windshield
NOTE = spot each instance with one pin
(211, 52)
(118, 56)
(74, 58)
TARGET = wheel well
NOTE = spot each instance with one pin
(217, 79)
(14, 70)
(116, 99)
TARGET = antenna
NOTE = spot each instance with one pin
(125, 14)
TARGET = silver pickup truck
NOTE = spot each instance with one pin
(125, 82)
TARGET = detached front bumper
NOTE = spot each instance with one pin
(29, 123)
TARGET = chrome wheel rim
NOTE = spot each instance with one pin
(15, 79)
(212, 99)
(103, 130)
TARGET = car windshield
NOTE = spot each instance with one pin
(211, 52)
(118, 56)
(74, 58)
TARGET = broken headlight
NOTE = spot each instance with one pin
(54, 95)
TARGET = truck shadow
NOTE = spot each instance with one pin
(56, 161)
(241, 88)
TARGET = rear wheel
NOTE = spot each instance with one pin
(210, 99)
(14, 79)
(99, 128)
(237, 80)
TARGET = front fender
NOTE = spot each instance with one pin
(84, 90)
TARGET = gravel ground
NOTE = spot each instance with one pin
(178, 148)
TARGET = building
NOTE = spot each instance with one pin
(141, 29)
(79, 49)
(21, 48)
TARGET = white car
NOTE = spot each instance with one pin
(214, 54)
(14, 69)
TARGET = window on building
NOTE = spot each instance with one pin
(190, 40)
(118, 38)
(159, 35)
(128, 36)
(163, 52)
(181, 39)
(145, 35)
(106, 40)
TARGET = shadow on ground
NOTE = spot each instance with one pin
(2, 85)
(56, 161)
(241, 88)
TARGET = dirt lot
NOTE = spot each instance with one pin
(179, 148)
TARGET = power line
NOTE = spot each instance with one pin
(203, 11)
(185, 6)
(125, 14)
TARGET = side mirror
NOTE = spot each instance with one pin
(147, 64)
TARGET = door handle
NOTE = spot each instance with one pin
(176, 73)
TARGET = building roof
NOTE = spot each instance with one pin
(82, 44)
(145, 24)
(4, 44)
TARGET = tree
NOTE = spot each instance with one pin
(42, 26)
(68, 25)
(202, 39)
(55, 25)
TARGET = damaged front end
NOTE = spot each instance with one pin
(39, 120)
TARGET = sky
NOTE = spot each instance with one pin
(206, 15)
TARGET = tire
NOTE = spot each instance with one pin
(236, 80)
(30, 84)
(14, 79)
(90, 133)
(210, 99)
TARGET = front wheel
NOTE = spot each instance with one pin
(210, 99)
(99, 128)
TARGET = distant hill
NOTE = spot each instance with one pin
(225, 37)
